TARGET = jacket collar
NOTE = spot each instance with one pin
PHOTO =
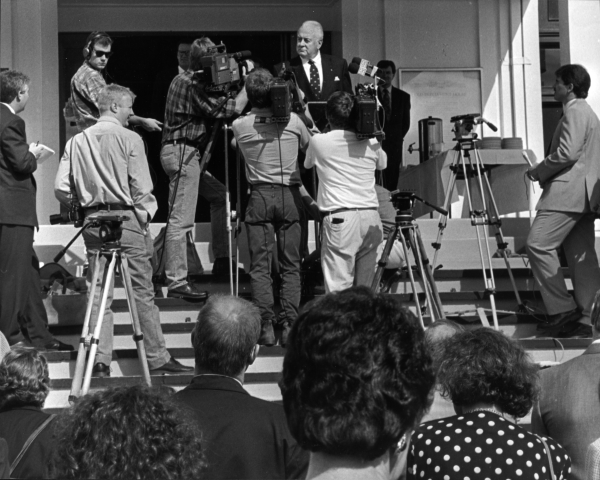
(216, 382)
(592, 349)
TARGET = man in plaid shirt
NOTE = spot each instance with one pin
(189, 114)
(88, 82)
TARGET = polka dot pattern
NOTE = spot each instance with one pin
(481, 445)
(315, 79)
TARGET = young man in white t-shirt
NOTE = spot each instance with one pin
(346, 167)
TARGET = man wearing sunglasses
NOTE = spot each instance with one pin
(88, 82)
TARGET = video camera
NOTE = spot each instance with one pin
(365, 111)
(221, 69)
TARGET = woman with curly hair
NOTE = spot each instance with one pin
(24, 386)
(126, 433)
(489, 378)
(356, 378)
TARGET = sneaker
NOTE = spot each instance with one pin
(267, 334)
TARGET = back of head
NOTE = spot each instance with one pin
(381, 64)
(258, 87)
(11, 83)
(485, 366)
(435, 336)
(356, 374)
(340, 110)
(200, 48)
(124, 433)
(576, 75)
(111, 94)
(225, 335)
(24, 379)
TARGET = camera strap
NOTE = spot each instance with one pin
(71, 178)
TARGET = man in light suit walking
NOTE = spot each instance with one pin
(567, 208)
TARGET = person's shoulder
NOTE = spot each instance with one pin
(400, 92)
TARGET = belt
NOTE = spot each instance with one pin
(181, 141)
(272, 185)
(340, 210)
(107, 207)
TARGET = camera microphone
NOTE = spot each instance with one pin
(363, 67)
(241, 55)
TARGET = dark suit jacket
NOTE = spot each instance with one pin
(17, 164)
(568, 409)
(333, 68)
(16, 424)
(244, 437)
(4, 464)
(397, 126)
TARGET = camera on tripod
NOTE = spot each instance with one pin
(463, 129)
(111, 227)
(73, 214)
(221, 69)
(365, 111)
(404, 203)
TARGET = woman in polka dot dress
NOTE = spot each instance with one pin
(489, 378)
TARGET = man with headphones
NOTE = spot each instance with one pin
(88, 82)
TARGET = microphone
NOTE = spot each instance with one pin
(364, 67)
(355, 68)
(241, 55)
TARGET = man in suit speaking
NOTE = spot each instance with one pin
(318, 75)
(567, 209)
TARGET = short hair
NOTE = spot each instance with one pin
(98, 38)
(314, 25)
(386, 63)
(11, 83)
(225, 334)
(484, 365)
(200, 48)
(576, 75)
(24, 379)
(126, 432)
(356, 374)
(185, 41)
(436, 335)
(112, 93)
(340, 109)
(258, 87)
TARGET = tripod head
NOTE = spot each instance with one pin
(404, 203)
(463, 129)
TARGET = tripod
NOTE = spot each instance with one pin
(111, 250)
(479, 217)
(407, 230)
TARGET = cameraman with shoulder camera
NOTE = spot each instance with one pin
(188, 116)
(270, 149)
(110, 176)
(346, 167)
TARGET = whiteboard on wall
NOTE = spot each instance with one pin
(439, 93)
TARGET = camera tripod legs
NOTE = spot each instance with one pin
(81, 383)
(423, 267)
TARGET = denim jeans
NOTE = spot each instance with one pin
(184, 209)
(136, 244)
(274, 211)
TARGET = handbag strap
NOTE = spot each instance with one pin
(28, 443)
(549, 457)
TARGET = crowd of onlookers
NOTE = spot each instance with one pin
(359, 376)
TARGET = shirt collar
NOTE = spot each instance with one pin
(9, 107)
(108, 118)
(595, 342)
(181, 70)
(317, 59)
(568, 104)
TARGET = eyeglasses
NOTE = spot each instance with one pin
(100, 53)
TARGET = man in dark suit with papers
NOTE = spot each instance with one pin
(318, 75)
(21, 303)
(244, 437)
(396, 115)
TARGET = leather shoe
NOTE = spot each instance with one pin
(56, 344)
(559, 320)
(267, 334)
(187, 292)
(172, 366)
(101, 370)
(575, 330)
(221, 267)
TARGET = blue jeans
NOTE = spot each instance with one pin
(184, 209)
(136, 244)
(274, 211)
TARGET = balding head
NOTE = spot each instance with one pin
(435, 336)
(309, 39)
(225, 335)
